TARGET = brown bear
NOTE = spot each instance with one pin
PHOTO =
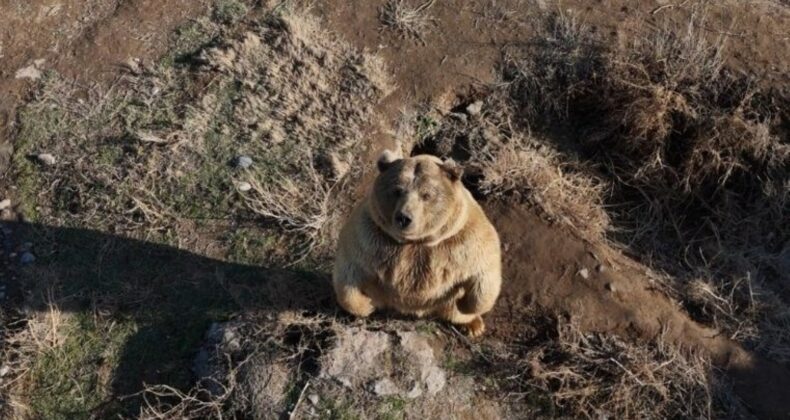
(419, 244)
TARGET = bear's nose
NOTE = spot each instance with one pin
(402, 220)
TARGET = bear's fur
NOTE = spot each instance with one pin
(420, 244)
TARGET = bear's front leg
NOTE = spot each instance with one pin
(347, 281)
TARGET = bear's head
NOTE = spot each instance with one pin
(420, 198)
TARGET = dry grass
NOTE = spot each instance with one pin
(132, 158)
(501, 161)
(562, 192)
(410, 21)
(584, 375)
(695, 166)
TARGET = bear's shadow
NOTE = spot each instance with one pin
(166, 297)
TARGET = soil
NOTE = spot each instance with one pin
(602, 290)
(84, 40)
(88, 40)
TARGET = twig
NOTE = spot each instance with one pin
(627, 371)
(292, 414)
(660, 8)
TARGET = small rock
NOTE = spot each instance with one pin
(314, 399)
(601, 268)
(4, 371)
(244, 186)
(27, 258)
(243, 162)
(46, 159)
(584, 273)
(610, 287)
(474, 108)
(134, 66)
(385, 387)
(5, 204)
(29, 72)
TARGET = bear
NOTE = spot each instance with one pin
(419, 244)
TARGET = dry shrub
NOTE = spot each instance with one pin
(410, 21)
(563, 193)
(590, 375)
(695, 155)
(502, 162)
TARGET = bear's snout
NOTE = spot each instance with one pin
(402, 220)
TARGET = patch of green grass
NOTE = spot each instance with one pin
(459, 366)
(67, 380)
(228, 11)
(427, 327)
(250, 245)
(337, 410)
(391, 408)
(188, 39)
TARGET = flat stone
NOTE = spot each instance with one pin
(30, 72)
(244, 186)
(46, 159)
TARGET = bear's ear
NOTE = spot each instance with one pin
(452, 169)
(387, 158)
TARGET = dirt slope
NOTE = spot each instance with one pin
(604, 291)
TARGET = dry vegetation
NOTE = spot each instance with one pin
(586, 375)
(694, 155)
(132, 159)
(153, 158)
(654, 147)
(410, 21)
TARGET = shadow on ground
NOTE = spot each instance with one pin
(156, 300)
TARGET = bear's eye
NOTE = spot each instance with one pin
(397, 192)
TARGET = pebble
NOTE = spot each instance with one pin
(243, 162)
(4, 370)
(27, 258)
(474, 108)
(314, 399)
(610, 287)
(458, 116)
(584, 273)
(46, 159)
(29, 72)
(244, 186)
(5, 204)
(601, 268)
